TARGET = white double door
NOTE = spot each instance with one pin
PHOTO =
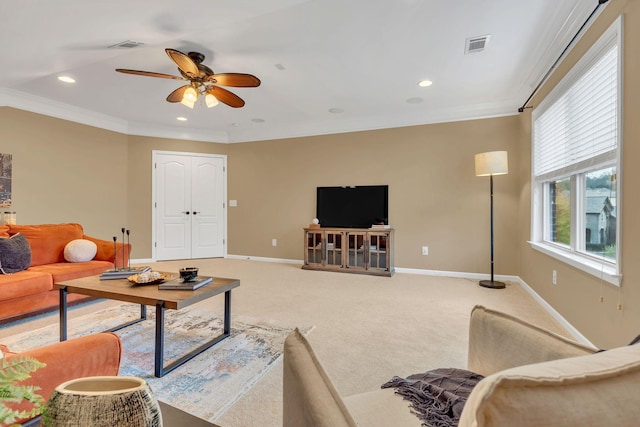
(189, 205)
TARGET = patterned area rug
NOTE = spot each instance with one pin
(207, 385)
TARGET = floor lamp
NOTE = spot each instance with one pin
(492, 163)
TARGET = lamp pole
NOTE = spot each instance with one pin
(491, 283)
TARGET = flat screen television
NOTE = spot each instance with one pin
(352, 207)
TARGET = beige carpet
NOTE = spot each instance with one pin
(367, 329)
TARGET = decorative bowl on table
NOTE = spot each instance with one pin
(149, 278)
(189, 274)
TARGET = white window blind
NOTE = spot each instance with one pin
(578, 127)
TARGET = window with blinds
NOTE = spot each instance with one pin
(576, 146)
(580, 127)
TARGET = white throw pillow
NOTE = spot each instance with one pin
(80, 250)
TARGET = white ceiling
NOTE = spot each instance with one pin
(364, 57)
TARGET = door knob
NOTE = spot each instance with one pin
(195, 213)
(186, 212)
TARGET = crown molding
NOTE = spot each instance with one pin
(36, 104)
(174, 132)
(419, 118)
(45, 106)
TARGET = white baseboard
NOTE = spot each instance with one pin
(552, 311)
(252, 258)
(444, 273)
(264, 259)
(142, 261)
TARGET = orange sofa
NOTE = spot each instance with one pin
(88, 356)
(31, 291)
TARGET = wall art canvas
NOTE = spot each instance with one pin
(5, 179)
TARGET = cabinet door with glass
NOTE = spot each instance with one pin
(323, 249)
(333, 248)
(379, 252)
(313, 247)
(356, 256)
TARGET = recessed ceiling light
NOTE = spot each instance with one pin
(425, 83)
(257, 120)
(66, 79)
(336, 110)
(414, 100)
(182, 119)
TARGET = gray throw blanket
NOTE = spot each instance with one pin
(437, 397)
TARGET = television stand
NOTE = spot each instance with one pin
(349, 250)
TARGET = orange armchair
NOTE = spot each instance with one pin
(92, 355)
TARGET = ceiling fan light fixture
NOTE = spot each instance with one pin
(187, 103)
(190, 95)
(201, 80)
(210, 100)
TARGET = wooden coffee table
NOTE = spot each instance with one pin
(123, 290)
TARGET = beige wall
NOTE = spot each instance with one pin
(577, 295)
(66, 172)
(434, 197)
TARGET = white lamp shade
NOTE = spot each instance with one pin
(210, 100)
(190, 95)
(492, 163)
(187, 103)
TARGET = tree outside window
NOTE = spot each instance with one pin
(560, 215)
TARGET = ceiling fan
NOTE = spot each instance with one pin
(202, 81)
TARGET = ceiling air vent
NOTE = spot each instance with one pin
(476, 44)
(129, 44)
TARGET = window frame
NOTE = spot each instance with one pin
(576, 254)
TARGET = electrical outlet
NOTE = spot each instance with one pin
(555, 277)
(274, 242)
(425, 250)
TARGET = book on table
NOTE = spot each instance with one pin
(124, 273)
(179, 284)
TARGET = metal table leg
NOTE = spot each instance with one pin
(160, 369)
(143, 316)
(159, 354)
(63, 313)
(227, 313)
(64, 309)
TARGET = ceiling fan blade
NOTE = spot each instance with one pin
(183, 62)
(149, 74)
(235, 80)
(224, 96)
(176, 95)
(206, 70)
